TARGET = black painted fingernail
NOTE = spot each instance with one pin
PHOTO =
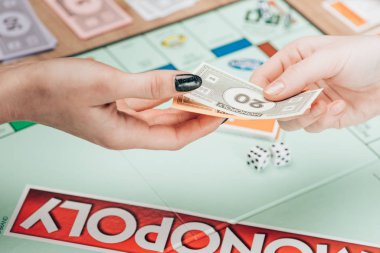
(187, 82)
(224, 121)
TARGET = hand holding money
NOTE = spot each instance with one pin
(102, 104)
(347, 68)
(223, 95)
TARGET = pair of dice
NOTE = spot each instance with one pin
(259, 157)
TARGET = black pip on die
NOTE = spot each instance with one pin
(258, 158)
(281, 154)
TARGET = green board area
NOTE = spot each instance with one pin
(20, 125)
(331, 189)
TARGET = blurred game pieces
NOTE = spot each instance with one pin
(92, 17)
(269, 13)
(154, 9)
(21, 31)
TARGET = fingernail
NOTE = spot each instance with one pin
(224, 121)
(338, 108)
(275, 88)
(187, 82)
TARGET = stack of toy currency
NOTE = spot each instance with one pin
(223, 95)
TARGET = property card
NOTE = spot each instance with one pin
(241, 63)
(267, 129)
(153, 9)
(203, 28)
(369, 131)
(21, 32)
(279, 42)
(90, 18)
(137, 55)
(358, 15)
(179, 46)
(101, 55)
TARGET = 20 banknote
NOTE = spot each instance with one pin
(224, 95)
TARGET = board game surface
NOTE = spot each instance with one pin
(331, 190)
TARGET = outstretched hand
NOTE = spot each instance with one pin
(79, 97)
(347, 68)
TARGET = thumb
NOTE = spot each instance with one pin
(297, 77)
(157, 85)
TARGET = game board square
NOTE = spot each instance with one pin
(324, 211)
(73, 165)
(210, 177)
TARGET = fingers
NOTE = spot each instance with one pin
(275, 66)
(306, 120)
(138, 105)
(135, 133)
(176, 137)
(321, 117)
(154, 85)
(331, 119)
(288, 56)
(295, 67)
(297, 77)
(165, 117)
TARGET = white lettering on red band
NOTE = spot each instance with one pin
(91, 212)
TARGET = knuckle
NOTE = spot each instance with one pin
(154, 89)
(294, 44)
(301, 48)
(293, 71)
(297, 44)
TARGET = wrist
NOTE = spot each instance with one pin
(15, 96)
(7, 96)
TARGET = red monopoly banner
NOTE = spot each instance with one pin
(107, 225)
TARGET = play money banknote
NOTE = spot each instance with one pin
(90, 18)
(224, 93)
(21, 31)
(186, 104)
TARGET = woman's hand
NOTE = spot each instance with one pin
(79, 97)
(348, 68)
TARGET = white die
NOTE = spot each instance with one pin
(281, 154)
(258, 158)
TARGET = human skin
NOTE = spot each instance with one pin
(80, 97)
(346, 67)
